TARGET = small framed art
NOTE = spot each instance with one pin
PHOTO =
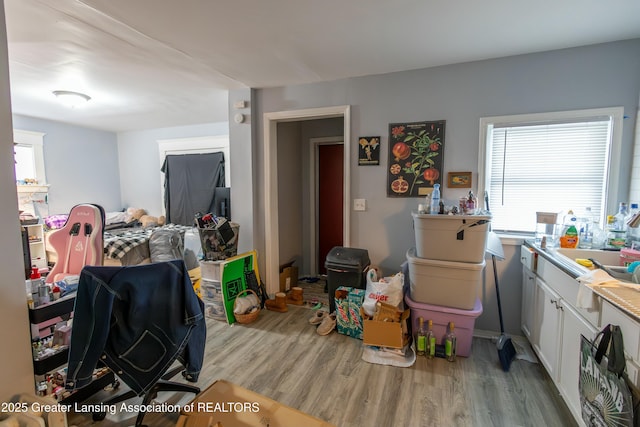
(459, 180)
(369, 150)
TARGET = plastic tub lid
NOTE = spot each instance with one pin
(347, 257)
(475, 312)
(449, 217)
(411, 257)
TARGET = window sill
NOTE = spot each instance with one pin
(509, 239)
(33, 188)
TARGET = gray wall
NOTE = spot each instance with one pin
(139, 159)
(585, 77)
(81, 164)
(290, 196)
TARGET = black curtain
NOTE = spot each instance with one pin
(189, 184)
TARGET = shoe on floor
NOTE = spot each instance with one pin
(327, 325)
(318, 317)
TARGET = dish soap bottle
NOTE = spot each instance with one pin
(569, 238)
(435, 200)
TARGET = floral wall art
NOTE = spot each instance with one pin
(415, 158)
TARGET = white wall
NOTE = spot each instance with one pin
(81, 164)
(16, 369)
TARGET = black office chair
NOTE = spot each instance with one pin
(137, 320)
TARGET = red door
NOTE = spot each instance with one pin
(330, 200)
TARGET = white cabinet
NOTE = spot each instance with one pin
(573, 326)
(37, 245)
(630, 335)
(553, 325)
(545, 335)
(528, 289)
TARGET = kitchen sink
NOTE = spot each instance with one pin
(609, 259)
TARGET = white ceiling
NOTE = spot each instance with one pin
(162, 63)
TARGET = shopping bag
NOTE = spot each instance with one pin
(386, 289)
(605, 397)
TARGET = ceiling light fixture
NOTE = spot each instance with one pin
(71, 99)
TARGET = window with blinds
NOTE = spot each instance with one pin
(551, 165)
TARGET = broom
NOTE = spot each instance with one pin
(506, 350)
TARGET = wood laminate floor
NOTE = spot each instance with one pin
(282, 357)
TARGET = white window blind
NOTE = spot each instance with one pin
(550, 167)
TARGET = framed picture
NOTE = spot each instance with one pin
(459, 180)
(369, 150)
(415, 158)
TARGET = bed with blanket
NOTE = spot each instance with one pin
(126, 238)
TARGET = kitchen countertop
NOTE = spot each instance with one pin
(550, 255)
(626, 299)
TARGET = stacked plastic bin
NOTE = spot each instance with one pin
(211, 290)
(445, 272)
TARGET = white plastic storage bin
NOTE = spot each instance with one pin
(445, 283)
(211, 270)
(460, 238)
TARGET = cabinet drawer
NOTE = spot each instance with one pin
(630, 328)
(528, 257)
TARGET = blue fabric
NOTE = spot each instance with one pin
(137, 320)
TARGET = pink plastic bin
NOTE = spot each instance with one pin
(464, 321)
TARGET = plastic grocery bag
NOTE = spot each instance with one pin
(385, 289)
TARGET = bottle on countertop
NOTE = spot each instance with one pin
(585, 233)
(620, 223)
(450, 342)
(633, 233)
(615, 238)
(431, 341)
(421, 338)
(472, 204)
(435, 200)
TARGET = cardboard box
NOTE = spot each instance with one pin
(288, 278)
(356, 298)
(341, 301)
(386, 334)
(348, 302)
(231, 405)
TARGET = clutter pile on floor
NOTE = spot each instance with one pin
(379, 306)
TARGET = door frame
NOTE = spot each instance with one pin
(313, 194)
(270, 167)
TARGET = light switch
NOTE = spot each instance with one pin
(359, 204)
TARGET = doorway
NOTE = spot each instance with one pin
(270, 166)
(327, 193)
